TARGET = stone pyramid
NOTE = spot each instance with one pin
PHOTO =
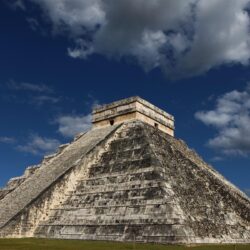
(127, 179)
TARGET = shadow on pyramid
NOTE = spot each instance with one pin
(127, 179)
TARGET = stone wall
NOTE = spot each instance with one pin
(130, 109)
(215, 210)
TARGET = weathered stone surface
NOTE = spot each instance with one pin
(136, 184)
(133, 108)
(48, 173)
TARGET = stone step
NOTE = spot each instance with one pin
(132, 185)
(141, 171)
(111, 205)
(129, 201)
(121, 166)
(118, 221)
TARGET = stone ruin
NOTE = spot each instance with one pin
(127, 179)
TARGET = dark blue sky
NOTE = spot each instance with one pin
(68, 87)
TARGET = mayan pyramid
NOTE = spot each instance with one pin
(127, 179)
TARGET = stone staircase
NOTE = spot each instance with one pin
(123, 198)
(13, 203)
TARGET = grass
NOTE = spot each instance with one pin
(45, 244)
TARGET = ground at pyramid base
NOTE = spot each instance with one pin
(127, 182)
(52, 244)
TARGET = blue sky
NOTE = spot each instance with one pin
(60, 58)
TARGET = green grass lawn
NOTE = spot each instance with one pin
(42, 244)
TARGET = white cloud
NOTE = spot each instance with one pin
(7, 140)
(38, 145)
(147, 52)
(70, 125)
(231, 119)
(82, 49)
(74, 16)
(39, 88)
(221, 36)
(214, 117)
(181, 37)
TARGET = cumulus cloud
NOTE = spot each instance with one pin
(38, 145)
(182, 38)
(70, 125)
(82, 49)
(231, 119)
(221, 36)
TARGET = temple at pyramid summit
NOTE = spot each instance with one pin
(126, 179)
(134, 108)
